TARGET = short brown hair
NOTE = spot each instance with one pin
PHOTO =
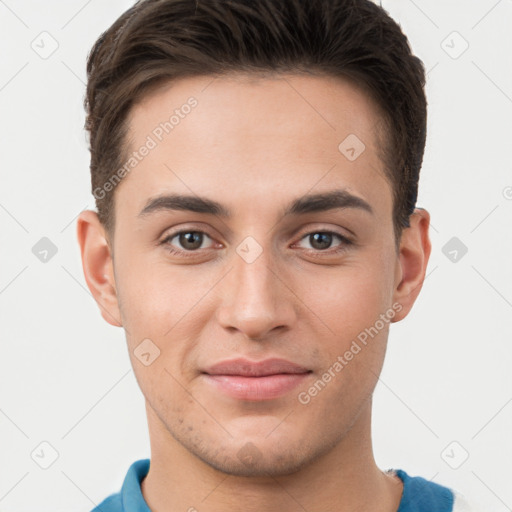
(157, 41)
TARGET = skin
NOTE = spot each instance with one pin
(255, 145)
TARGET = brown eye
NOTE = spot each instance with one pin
(323, 240)
(187, 241)
(320, 240)
(191, 240)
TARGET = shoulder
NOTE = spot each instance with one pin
(113, 503)
(421, 495)
(130, 497)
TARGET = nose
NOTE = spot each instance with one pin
(256, 300)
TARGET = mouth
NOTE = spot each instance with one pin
(243, 379)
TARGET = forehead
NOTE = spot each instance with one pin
(247, 136)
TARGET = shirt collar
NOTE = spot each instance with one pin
(131, 493)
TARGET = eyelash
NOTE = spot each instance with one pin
(346, 242)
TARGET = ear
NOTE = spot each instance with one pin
(412, 262)
(98, 266)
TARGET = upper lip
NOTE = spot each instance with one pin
(248, 368)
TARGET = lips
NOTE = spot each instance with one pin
(255, 380)
(247, 368)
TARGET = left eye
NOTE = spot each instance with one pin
(321, 240)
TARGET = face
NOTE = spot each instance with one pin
(283, 249)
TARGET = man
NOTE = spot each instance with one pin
(255, 167)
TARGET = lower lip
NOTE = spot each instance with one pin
(257, 388)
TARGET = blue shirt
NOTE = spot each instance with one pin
(419, 495)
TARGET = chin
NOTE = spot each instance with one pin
(250, 461)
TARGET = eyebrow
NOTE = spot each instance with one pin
(306, 204)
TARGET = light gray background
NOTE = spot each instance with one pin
(65, 376)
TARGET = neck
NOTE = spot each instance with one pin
(344, 479)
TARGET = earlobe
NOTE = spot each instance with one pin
(97, 265)
(414, 253)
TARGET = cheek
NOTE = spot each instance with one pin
(353, 347)
(169, 307)
(153, 296)
(349, 299)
